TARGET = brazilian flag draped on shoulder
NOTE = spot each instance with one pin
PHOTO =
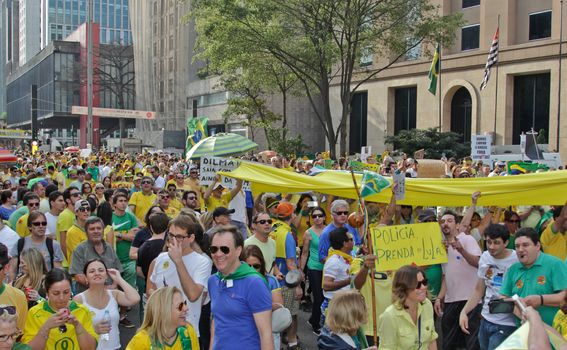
(196, 131)
(373, 183)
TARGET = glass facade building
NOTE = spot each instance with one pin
(61, 17)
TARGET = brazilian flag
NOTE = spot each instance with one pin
(434, 70)
(372, 183)
(196, 131)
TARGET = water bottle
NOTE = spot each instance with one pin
(105, 318)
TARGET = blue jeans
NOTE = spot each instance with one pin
(490, 335)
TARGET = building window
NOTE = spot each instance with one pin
(358, 122)
(531, 104)
(405, 109)
(470, 3)
(540, 25)
(470, 37)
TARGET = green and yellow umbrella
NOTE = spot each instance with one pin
(221, 144)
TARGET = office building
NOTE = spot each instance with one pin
(523, 91)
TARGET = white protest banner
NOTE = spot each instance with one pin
(399, 185)
(365, 153)
(481, 147)
(210, 166)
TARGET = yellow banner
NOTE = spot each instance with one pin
(419, 244)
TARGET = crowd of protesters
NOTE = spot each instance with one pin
(82, 240)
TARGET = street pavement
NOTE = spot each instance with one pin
(308, 340)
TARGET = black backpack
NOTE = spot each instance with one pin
(48, 243)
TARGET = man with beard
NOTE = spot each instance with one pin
(459, 279)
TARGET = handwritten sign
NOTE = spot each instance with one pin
(399, 185)
(481, 147)
(211, 165)
(359, 166)
(396, 246)
(365, 153)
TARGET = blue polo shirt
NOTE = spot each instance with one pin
(233, 308)
(548, 275)
(325, 243)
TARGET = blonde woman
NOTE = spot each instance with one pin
(33, 269)
(345, 316)
(165, 327)
(9, 331)
(408, 322)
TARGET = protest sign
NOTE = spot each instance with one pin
(365, 153)
(399, 186)
(396, 246)
(359, 166)
(481, 147)
(211, 165)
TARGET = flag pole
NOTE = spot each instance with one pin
(439, 74)
(496, 85)
(368, 242)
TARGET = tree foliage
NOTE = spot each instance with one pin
(318, 42)
(434, 143)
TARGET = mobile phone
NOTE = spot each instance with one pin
(312, 204)
(500, 306)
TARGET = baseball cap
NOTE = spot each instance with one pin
(284, 209)
(220, 211)
(81, 203)
(500, 163)
(426, 214)
(272, 202)
(217, 185)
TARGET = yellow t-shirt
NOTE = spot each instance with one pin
(142, 204)
(57, 341)
(560, 323)
(171, 212)
(141, 341)
(554, 243)
(22, 226)
(13, 296)
(64, 223)
(75, 236)
(176, 203)
(383, 290)
(214, 202)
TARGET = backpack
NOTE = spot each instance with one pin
(48, 243)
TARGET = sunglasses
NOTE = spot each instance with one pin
(33, 204)
(180, 178)
(191, 198)
(181, 305)
(315, 216)
(81, 209)
(164, 196)
(10, 309)
(224, 249)
(146, 182)
(76, 194)
(514, 221)
(255, 266)
(263, 222)
(422, 283)
(40, 223)
(341, 213)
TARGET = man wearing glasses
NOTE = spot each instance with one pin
(262, 226)
(189, 200)
(66, 219)
(339, 210)
(183, 267)
(140, 202)
(31, 201)
(77, 233)
(164, 200)
(159, 181)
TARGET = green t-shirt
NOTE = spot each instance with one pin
(123, 224)
(548, 275)
(434, 274)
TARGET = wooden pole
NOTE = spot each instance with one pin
(368, 242)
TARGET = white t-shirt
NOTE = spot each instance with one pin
(492, 271)
(337, 268)
(8, 237)
(51, 224)
(159, 182)
(460, 276)
(238, 203)
(198, 267)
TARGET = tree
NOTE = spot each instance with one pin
(435, 143)
(319, 41)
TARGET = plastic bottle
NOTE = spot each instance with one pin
(105, 318)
